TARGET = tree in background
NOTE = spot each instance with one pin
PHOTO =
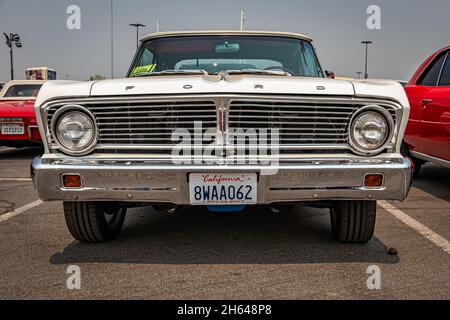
(96, 77)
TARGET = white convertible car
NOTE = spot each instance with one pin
(222, 119)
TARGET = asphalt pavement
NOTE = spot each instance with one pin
(196, 254)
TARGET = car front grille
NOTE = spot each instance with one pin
(297, 123)
(148, 124)
(303, 124)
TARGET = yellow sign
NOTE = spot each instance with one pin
(143, 70)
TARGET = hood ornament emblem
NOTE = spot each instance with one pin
(259, 86)
(129, 88)
(320, 88)
(187, 87)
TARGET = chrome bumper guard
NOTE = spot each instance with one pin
(153, 182)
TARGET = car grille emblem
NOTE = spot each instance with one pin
(222, 120)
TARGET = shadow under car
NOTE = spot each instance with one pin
(197, 236)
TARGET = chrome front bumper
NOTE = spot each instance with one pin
(150, 181)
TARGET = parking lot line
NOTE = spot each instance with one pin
(15, 179)
(427, 233)
(20, 210)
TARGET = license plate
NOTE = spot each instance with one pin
(12, 129)
(222, 189)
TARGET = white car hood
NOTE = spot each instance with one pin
(239, 84)
(381, 89)
(176, 84)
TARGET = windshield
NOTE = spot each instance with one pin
(23, 91)
(214, 54)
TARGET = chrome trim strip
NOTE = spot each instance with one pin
(167, 164)
(225, 147)
(432, 159)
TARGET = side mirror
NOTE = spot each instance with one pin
(330, 74)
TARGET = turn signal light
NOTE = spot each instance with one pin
(71, 181)
(373, 180)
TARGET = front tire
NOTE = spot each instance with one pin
(94, 222)
(353, 221)
(417, 167)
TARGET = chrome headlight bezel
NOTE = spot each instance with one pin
(356, 147)
(59, 114)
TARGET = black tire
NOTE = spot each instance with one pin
(417, 167)
(93, 222)
(353, 221)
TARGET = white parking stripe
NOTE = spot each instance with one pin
(15, 179)
(20, 210)
(427, 233)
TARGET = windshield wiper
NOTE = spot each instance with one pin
(259, 71)
(172, 72)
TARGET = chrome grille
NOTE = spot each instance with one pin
(298, 123)
(146, 125)
(149, 123)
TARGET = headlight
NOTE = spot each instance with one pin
(370, 130)
(74, 130)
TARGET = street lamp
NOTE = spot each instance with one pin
(13, 38)
(112, 38)
(366, 75)
(242, 19)
(137, 26)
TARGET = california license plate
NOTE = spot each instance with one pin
(12, 129)
(222, 189)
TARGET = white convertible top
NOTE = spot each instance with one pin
(225, 33)
(11, 83)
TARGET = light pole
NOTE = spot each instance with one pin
(112, 39)
(12, 38)
(242, 19)
(137, 26)
(366, 75)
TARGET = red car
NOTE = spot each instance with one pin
(427, 137)
(18, 126)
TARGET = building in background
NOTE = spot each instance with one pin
(41, 73)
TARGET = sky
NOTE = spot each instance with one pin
(410, 31)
